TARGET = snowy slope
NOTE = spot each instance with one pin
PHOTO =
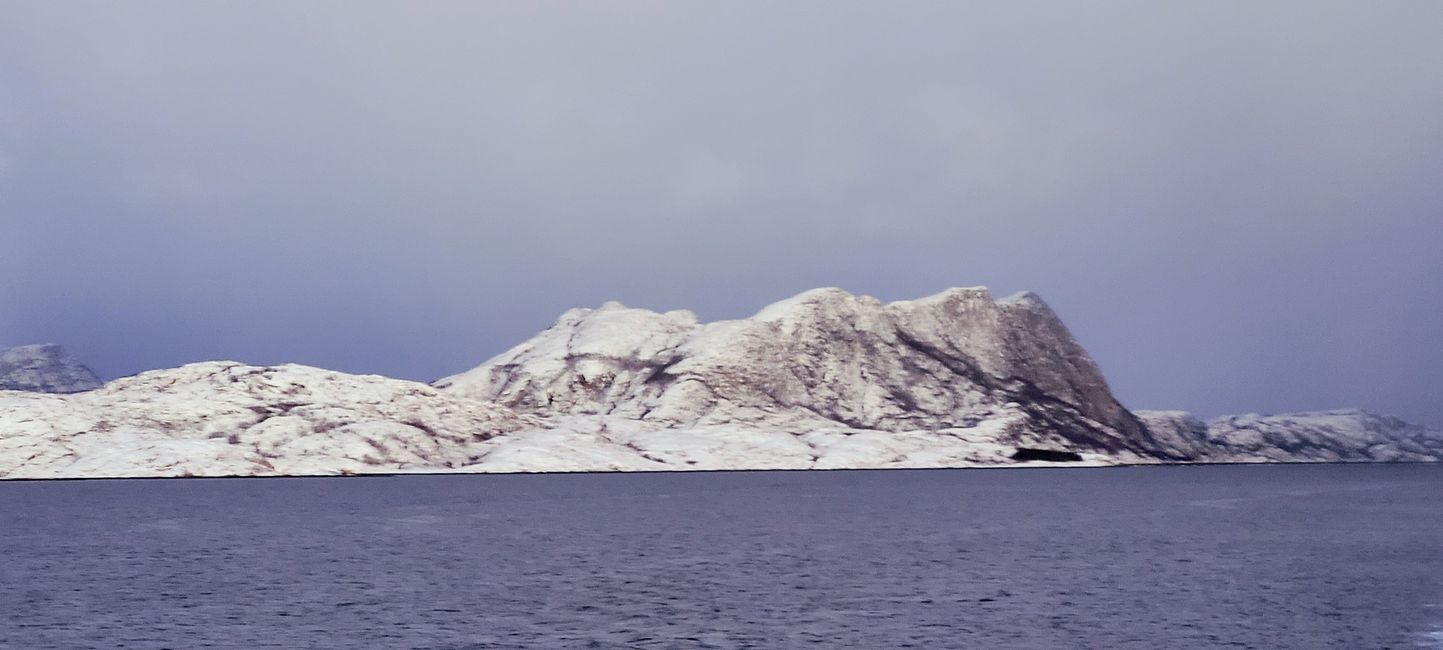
(44, 369)
(223, 418)
(228, 419)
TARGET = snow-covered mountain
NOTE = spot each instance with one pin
(44, 369)
(825, 359)
(823, 380)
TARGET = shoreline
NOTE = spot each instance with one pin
(1015, 466)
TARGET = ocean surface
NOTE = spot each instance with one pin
(1271, 557)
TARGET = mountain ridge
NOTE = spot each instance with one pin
(823, 380)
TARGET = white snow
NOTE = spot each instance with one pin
(824, 380)
(224, 418)
(822, 359)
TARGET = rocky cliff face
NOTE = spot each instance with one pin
(44, 369)
(823, 359)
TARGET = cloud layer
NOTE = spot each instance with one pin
(1235, 206)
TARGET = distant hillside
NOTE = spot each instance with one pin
(44, 369)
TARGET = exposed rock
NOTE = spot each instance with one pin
(44, 369)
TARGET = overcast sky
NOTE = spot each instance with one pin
(1236, 206)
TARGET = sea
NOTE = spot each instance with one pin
(1266, 556)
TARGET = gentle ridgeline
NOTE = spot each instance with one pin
(822, 380)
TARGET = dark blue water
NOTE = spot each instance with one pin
(1165, 557)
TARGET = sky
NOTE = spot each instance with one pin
(1235, 206)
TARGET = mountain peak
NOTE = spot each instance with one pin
(822, 358)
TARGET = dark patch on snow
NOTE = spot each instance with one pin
(1048, 455)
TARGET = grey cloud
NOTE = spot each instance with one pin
(1234, 205)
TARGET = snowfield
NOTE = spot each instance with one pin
(824, 380)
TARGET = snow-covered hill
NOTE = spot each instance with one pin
(229, 419)
(822, 380)
(44, 369)
(223, 418)
(825, 359)
(1330, 436)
